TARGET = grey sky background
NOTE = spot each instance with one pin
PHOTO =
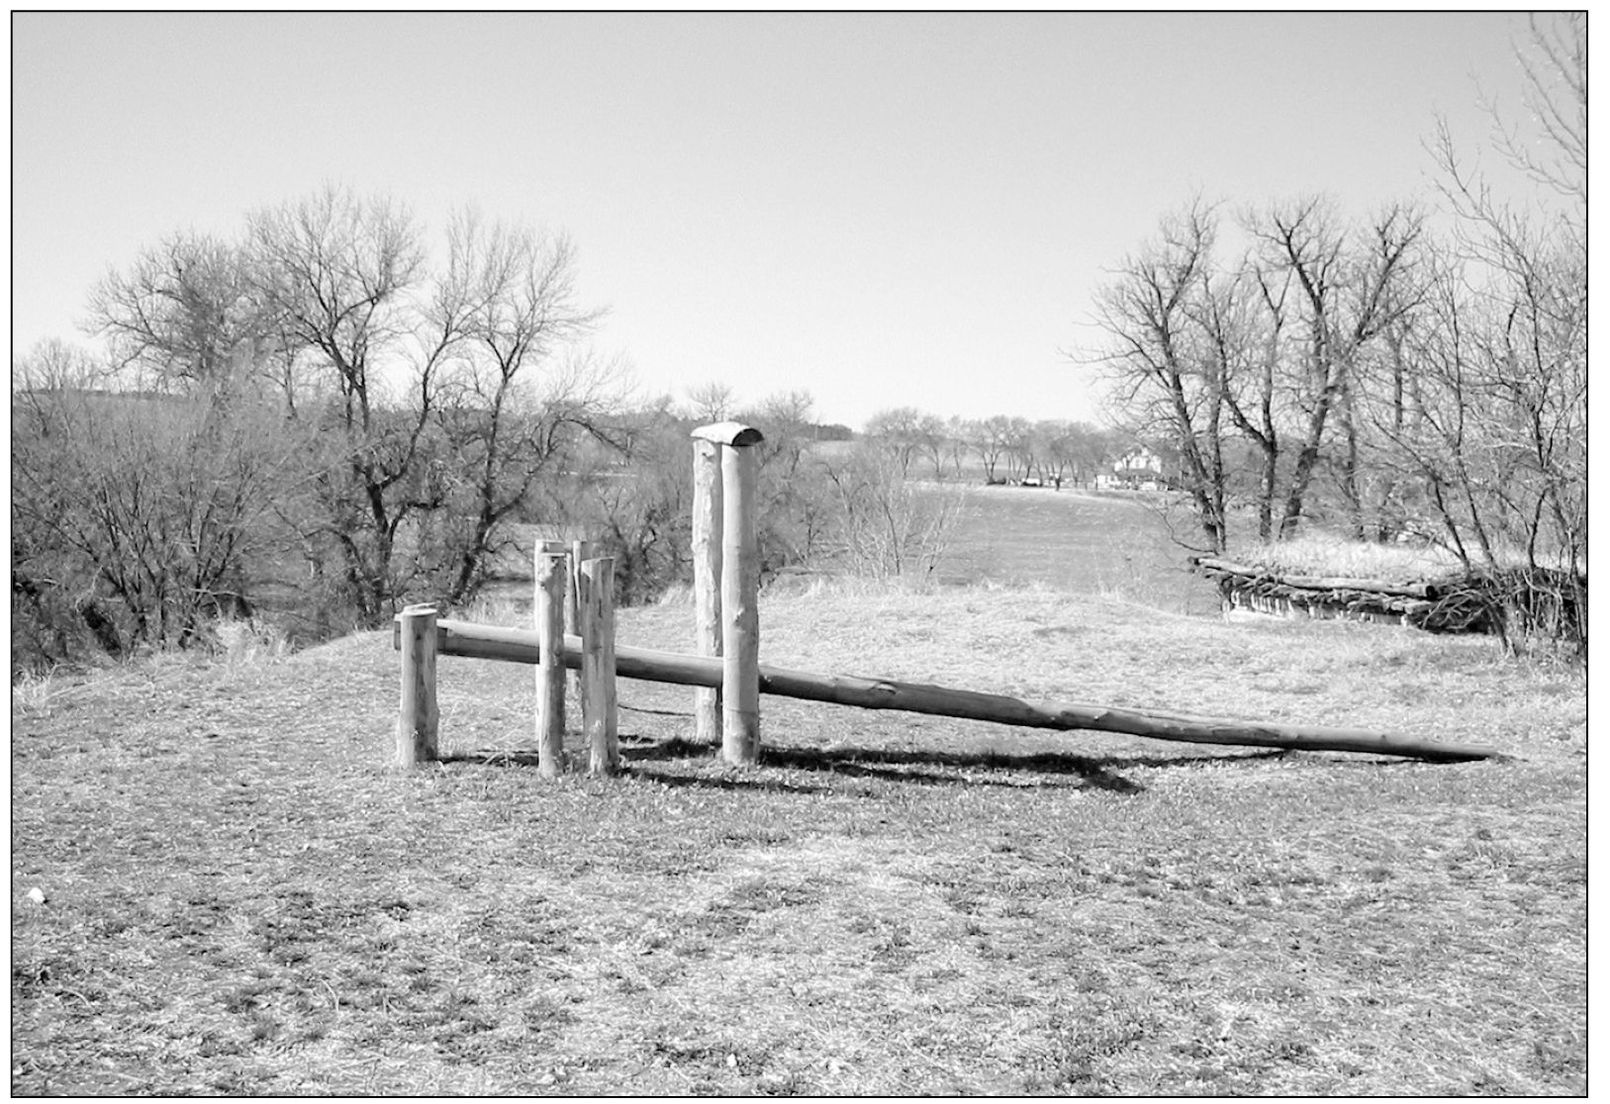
(880, 209)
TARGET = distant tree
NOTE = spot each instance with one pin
(899, 431)
(990, 438)
(711, 402)
(929, 434)
(795, 508)
(635, 500)
(956, 445)
(505, 305)
(884, 527)
(785, 419)
(54, 366)
(1091, 450)
(188, 314)
(1156, 361)
(1020, 448)
(1057, 448)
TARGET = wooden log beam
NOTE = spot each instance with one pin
(462, 638)
(1317, 582)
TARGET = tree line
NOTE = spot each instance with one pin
(311, 420)
(1380, 375)
(324, 416)
(1004, 448)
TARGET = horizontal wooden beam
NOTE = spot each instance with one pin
(1316, 582)
(463, 638)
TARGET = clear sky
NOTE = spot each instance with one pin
(880, 209)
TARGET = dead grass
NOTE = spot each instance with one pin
(1081, 542)
(242, 898)
(1330, 555)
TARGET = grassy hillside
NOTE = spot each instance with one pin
(240, 897)
(1103, 544)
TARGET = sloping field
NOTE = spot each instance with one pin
(240, 897)
(1112, 545)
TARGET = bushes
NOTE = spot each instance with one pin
(137, 518)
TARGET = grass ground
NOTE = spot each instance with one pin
(1113, 545)
(241, 897)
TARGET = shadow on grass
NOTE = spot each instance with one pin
(937, 768)
(648, 753)
(918, 767)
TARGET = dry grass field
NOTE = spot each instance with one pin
(1113, 545)
(240, 897)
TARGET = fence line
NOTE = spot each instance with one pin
(726, 588)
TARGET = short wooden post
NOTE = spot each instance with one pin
(598, 710)
(548, 607)
(417, 716)
(707, 582)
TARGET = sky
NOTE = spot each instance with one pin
(882, 210)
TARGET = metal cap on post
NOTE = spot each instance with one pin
(740, 586)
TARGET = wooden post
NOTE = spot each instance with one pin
(740, 614)
(707, 581)
(598, 712)
(548, 609)
(580, 551)
(417, 716)
(740, 586)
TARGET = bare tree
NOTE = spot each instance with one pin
(989, 438)
(1347, 293)
(188, 314)
(1500, 420)
(509, 297)
(884, 527)
(899, 431)
(1158, 364)
(338, 269)
(956, 444)
(1241, 317)
(712, 402)
(797, 516)
(139, 514)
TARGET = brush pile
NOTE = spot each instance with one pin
(1530, 602)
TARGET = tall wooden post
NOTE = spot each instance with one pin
(598, 703)
(740, 586)
(707, 582)
(548, 608)
(740, 614)
(417, 716)
(580, 551)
